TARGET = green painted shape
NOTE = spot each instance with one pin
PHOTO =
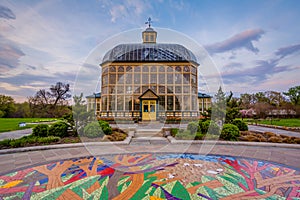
(212, 193)
(104, 194)
(142, 192)
(205, 178)
(239, 179)
(50, 194)
(83, 184)
(180, 191)
(169, 186)
(123, 180)
(233, 188)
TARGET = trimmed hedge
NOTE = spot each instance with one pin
(40, 130)
(59, 129)
(240, 124)
(107, 130)
(93, 130)
(230, 132)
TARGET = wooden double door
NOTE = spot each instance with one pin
(149, 110)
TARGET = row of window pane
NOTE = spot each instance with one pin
(178, 102)
(122, 69)
(149, 78)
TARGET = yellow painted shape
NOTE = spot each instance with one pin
(155, 198)
(11, 184)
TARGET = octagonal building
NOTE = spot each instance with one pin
(148, 81)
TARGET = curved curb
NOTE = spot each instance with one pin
(60, 146)
(127, 141)
(213, 142)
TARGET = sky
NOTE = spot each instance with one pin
(254, 44)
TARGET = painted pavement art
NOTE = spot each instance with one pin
(154, 177)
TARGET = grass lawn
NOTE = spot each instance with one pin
(11, 124)
(278, 122)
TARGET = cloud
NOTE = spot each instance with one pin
(243, 40)
(128, 9)
(6, 13)
(285, 51)
(10, 54)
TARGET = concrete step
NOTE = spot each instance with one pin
(149, 140)
(148, 133)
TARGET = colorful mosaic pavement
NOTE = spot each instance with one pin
(154, 177)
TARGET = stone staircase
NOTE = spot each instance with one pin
(149, 133)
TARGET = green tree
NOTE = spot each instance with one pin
(219, 106)
(7, 105)
(294, 95)
(80, 117)
(52, 103)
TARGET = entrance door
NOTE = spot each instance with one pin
(149, 110)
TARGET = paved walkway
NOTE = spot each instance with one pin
(277, 131)
(287, 154)
(15, 134)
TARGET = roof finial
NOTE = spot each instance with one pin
(149, 21)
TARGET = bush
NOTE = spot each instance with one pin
(59, 129)
(40, 130)
(48, 140)
(230, 132)
(5, 143)
(213, 128)
(240, 124)
(193, 127)
(275, 139)
(199, 136)
(185, 135)
(209, 126)
(116, 136)
(174, 131)
(93, 130)
(107, 130)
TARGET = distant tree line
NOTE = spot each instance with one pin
(257, 105)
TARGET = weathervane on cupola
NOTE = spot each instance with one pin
(149, 21)
(149, 35)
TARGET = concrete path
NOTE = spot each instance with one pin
(277, 131)
(15, 134)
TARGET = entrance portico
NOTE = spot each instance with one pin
(148, 105)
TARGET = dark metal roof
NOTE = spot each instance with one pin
(202, 95)
(97, 95)
(149, 52)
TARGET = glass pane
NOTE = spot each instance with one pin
(137, 69)
(112, 69)
(161, 69)
(129, 69)
(112, 79)
(161, 89)
(152, 108)
(145, 108)
(170, 78)
(178, 78)
(121, 69)
(145, 69)
(153, 69)
(170, 103)
(161, 79)
(178, 68)
(128, 78)
(137, 78)
(153, 78)
(186, 69)
(170, 69)
(145, 78)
